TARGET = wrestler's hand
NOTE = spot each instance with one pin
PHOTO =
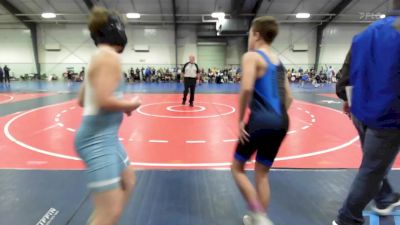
(243, 135)
(135, 103)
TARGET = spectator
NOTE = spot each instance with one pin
(82, 74)
(218, 77)
(132, 74)
(142, 73)
(225, 77)
(147, 74)
(238, 78)
(139, 74)
(289, 75)
(151, 74)
(52, 77)
(330, 74)
(178, 75)
(69, 76)
(126, 77)
(312, 73)
(1, 75)
(317, 80)
(6, 74)
(303, 79)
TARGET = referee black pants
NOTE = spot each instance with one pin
(7, 78)
(190, 85)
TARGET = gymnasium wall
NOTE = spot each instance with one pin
(336, 42)
(187, 42)
(235, 48)
(16, 49)
(296, 34)
(76, 46)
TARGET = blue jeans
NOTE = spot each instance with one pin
(380, 148)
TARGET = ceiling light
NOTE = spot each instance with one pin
(382, 16)
(303, 15)
(218, 15)
(48, 15)
(133, 15)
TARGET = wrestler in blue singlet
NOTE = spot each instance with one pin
(268, 122)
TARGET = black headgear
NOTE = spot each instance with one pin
(113, 33)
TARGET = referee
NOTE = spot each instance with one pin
(190, 75)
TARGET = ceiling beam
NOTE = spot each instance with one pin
(380, 5)
(335, 12)
(105, 4)
(237, 6)
(89, 4)
(54, 8)
(297, 6)
(174, 12)
(134, 6)
(34, 39)
(13, 10)
(32, 27)
(269, 6)
(324, 6)
(327, 20)
(161, 9)
(313, 22)
(79, 6)
(255, 9)
(175, 32)
(351, 6)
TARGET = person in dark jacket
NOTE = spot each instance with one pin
(371, 70)
(132, 74)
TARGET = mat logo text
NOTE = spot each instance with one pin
(48, 217)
